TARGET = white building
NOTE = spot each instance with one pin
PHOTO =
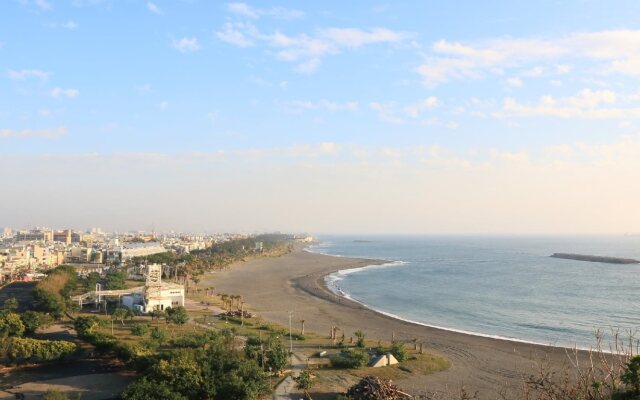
(157, 295)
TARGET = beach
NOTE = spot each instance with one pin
(296, 282)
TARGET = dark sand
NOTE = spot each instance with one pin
(273, 286)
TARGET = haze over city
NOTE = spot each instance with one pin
(377, 117)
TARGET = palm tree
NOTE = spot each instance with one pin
(302, 327)
(239, 301)
(224, 298)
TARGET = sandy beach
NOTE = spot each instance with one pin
(295, 282)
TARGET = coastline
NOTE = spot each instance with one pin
(296, 282)
(393, 263)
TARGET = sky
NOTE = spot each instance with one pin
(418, 117)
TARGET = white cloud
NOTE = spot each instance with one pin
(43, 5)
(414, 110)
(616, 50)
(54, 133)
(60, 92)
(514, 82)
(326, 105)
(237, 33)
(153, 7)
(28, 73)
(386, 112)
(593, 104)
(164, 105)
(246, 10)
(69, 25)
(186, 45)
(306, 50)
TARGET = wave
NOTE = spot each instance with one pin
(338, 291)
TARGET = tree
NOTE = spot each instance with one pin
(120, 314)
(360, 342)
(158, 334)
(10, 324)
(177, 315)
(147, 389)
(304, 382)
(157, 314)
(302, 327)
(85, 325)
(140, 329)
(92, 279)
(181, 372)
(631, 374)
(277, 354)
(56, 395)
(31, 320)
(116, 280)
(11, 304)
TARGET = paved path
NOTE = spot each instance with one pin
(288, 385)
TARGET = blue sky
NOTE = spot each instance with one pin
(311, 98)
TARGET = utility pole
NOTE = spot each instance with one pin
(290, 339)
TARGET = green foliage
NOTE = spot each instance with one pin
(140, 329)
(56, 395)
(120, 313)
(85, 326)
(91, 280)
(11, 304)
(276, 355)
(116, 280)
(34, 350)
(31, 321)
(158, 334)
(360, 342)
(51, 295)
(10, 324)
(349, 359)
(177, 315)
(631, 374)
(216, 372)
(304, 380)
(147, 389)
(399, 351)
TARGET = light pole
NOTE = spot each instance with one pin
(290, 339)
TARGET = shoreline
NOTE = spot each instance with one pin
(295, 282)
(381, 263)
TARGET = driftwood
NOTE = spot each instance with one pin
(374, 388)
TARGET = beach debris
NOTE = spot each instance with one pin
(374, 388)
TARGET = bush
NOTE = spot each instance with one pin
(10, 324)
(399, 351)
(158, 334)
(349, 359)
(31, 321)
(146, 389)
(34, 350)
(140, 329)
(86, 325)
(177, 315)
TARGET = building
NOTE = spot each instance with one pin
(130, 250)
(157, 295)
(62, 236)
(35, 235)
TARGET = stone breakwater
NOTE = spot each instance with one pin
(601, 259)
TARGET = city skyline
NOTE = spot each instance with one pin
(402, 117)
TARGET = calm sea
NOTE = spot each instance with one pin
(504, 287)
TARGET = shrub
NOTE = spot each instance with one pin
(349, 359)
(31, 321)
(140, 329)
(399, 351)
(86, 325)
(34, 350)
(10, 324)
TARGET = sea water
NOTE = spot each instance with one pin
(506, 287)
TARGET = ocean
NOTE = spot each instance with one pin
(505, 287)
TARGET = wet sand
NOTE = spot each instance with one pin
(295, 282)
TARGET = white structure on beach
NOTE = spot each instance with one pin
(383, 360)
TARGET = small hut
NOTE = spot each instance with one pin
(383, 360)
